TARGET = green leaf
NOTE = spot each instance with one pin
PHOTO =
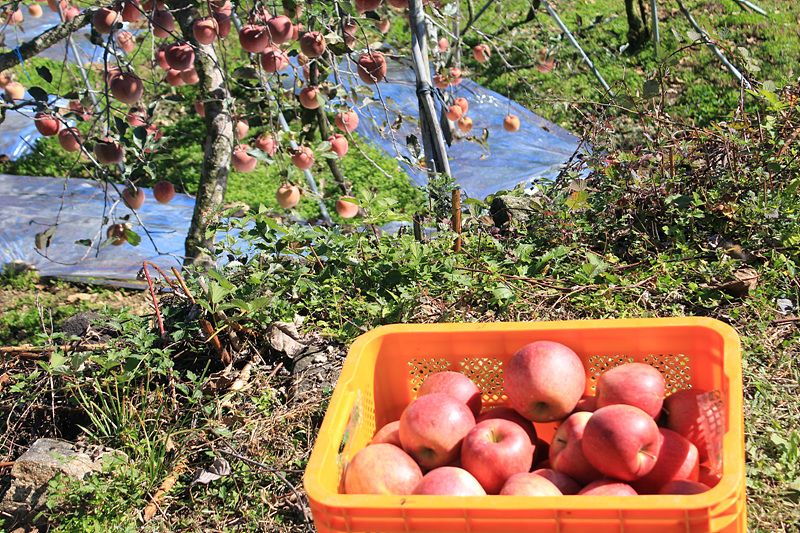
(222, 281)
(45, 73)
(133, 238)
(501, 292)
(38, 94)
(651, 88)
(413, 146)
(43, 239)
(216, 293)
(121, 126)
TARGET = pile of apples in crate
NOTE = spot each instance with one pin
(627, 439)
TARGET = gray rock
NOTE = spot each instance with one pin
(506, 208)
(47, 458)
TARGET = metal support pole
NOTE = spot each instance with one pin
(724, 60)
(552, 13)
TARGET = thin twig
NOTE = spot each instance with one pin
(302, 508)
(183, 285)
(153, 295)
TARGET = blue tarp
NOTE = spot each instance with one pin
(536, 152)
(29, 205)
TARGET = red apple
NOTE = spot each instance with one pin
(636, 384)
(440, 81)
(508, 413)
(511, 123)
(677, 459)
(130, 10)
(432, 428)
(205, 30)
(587, 403)
(607, 487)
(266, 143)
(449, 481)
(347, 121)
(566, 450)
(103, 20)
(349, 28)
(108, 152)
(541, 457)
(339, 144)
(529, 484)
(362, 6)
(133, 197)
(242, 127)
(443, 45)
(5, 78)
(494, 450)
(174, 77)
(621, 441)
(161, 59)
(253, 38)
(684, 416)
(126, 41)
(381, 469)
(562, 481)
(274, 60)
(288, 195)
(179, 56)
(224, 22)
(709, 477)
(465, 124)
(116, 233)
(312, 44)
(14, 91)
(455, 384)
(200, 108)
(544, 381)
(454, 112)
(398, 3)
(79, 110)
(454, 75)
(70, 139)
(372, 68)
(127, 87)
(163, 23)
(462, 103)
(190, 76)
(71, 12)
(47, 124)
(303, 158)
(482, 53)
(308, 97)
(345, 208)
(280, 29)
(242, 161)
(35, 11)
(684, 486)
(163, 191)
(383, 25)
(389, 433)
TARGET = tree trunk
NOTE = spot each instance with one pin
(217, 147)
(637, 33)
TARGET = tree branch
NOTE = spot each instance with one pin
(48, 38)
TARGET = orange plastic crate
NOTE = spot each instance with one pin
(385, 367)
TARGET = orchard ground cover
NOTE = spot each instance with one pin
(690, 210)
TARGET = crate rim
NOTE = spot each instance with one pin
(727, 488)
